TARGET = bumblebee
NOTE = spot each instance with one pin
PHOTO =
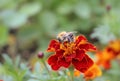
(65, 37)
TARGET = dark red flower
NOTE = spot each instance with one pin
(40, 55)
(68, 53)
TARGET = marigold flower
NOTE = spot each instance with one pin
(92, 72)
(109, 53)
(76, 73)
(70, 51)
(114, 46)
(104, 58)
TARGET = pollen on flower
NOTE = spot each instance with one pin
(71, 51)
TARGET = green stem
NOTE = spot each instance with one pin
(46, 67)
(72, 74)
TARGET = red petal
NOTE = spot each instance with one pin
(111, 50)
(80, 54)
(84, 64)
(80, 38)
(69, 57)
(107, 65)
(53, 46)
(63, 62)
(55, 67)
(59, 53)
(52, 60)
(87, 46)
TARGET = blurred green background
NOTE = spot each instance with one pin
(27, 26)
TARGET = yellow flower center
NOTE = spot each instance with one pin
(69, 48)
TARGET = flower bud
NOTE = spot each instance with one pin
(108, 8)
(40, 55)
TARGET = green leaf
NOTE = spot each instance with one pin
(3, 35)
(113, 21)
(48, 20)
(2, 69)
(22, 74)
(82, 10)
(4, 2)
(27, 35)
(30, 9)
(33, 80)
(7, 78)
(65, 8)
(7, 59)
(37, 67)
(103, 33)
(17, 61)
(13, 19)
